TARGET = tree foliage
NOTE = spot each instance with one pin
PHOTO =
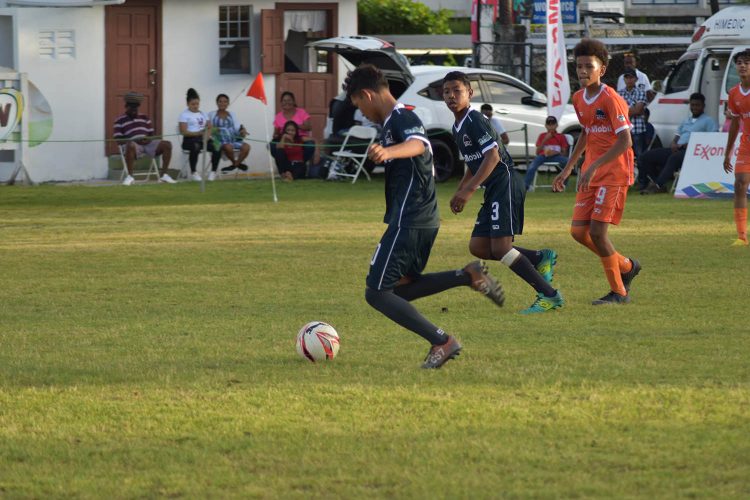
(401, 17)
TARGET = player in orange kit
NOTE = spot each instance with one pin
(738, 103)
(607, 171)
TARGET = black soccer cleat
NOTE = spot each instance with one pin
(612, 298)
(628, 276)
(483, 282)
(440, 354)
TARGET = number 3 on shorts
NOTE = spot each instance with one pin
(495, 210)
(600, 194)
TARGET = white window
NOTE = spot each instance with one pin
(234, 38)
(57, 44)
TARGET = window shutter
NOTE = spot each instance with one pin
(272, 27)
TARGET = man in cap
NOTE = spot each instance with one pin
(630, 61)
(637, 101)
(133, 132)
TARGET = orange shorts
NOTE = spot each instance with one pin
(600, 203)
(742, 163)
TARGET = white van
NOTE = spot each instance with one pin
(706, 68)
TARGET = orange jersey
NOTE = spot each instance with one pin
(603, 117)
(738, 103)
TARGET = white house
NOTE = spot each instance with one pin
(84, 55)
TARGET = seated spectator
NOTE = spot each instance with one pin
(195, 127)
(227, 136)
(342, 115)
(132, 132)
(290, 111)
(551, 146)
(289, 154)
(486, 110)
(657, 166)
(636, 99)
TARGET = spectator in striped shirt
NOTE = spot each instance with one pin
(637, 102)
(133, 132)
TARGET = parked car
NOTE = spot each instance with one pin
(420, 89)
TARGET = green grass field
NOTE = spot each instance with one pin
(147, 350)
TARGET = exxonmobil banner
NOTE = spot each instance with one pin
(702, 174)
(558, 84)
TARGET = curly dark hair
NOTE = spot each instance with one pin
(591, 47)
(366, 76)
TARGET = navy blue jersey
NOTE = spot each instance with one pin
(475, 136)
(409, 182)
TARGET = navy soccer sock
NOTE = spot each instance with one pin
(535, 256)
(430, 284)
(403, 313)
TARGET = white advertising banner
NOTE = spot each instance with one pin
(702, 174)
(558, 84)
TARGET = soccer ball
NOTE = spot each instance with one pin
(317, 341)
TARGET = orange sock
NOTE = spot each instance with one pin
(624, 263)
(582, 236)
(740, 220)
(612, 271)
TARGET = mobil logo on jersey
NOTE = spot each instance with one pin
(601, 129)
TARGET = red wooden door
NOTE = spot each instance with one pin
(312, 91)
(133, 60)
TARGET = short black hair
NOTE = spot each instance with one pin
(745, 54)
(697, 96)
(486, 107)
(287, 93)
(591, 47)
(365, 77)
(457, 76)
(220, 96)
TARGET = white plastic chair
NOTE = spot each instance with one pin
(553, 165)
(357, 135)
(153, 167)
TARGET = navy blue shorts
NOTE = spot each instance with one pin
(502, 210)
(401, 252)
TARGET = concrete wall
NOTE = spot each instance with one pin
(74, 88)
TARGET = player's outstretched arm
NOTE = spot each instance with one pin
(407, 149)
(558, 184)
(469, 186)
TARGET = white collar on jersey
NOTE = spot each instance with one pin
(457, 126)
(397, 106)
(591, 101)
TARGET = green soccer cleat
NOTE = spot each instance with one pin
(544, 304)
(546, 266)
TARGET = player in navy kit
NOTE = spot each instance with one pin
(501, 215)
(395, 277)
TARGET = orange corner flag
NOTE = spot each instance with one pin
(257, 89)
